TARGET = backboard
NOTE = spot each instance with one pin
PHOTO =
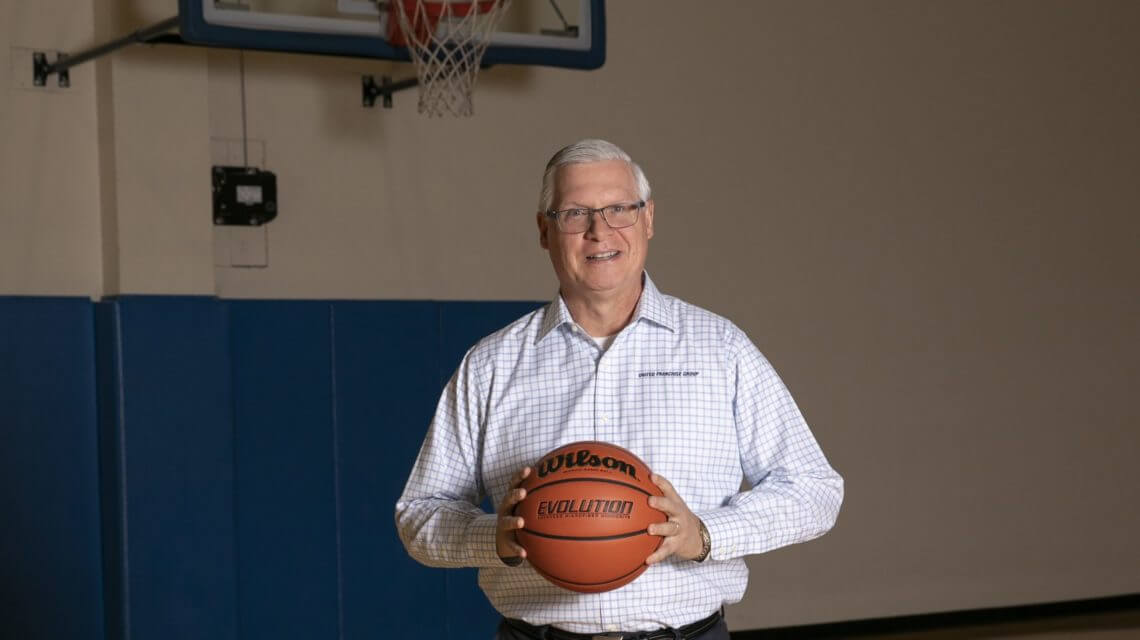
(556, 33)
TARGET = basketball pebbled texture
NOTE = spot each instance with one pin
(585, 516)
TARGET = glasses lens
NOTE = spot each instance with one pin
(574, 220)
(621, 215)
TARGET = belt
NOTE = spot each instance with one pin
(547, 632)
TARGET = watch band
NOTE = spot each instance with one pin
(706, 542)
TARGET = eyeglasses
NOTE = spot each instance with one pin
(617, 216)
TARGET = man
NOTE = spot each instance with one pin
(613, 359)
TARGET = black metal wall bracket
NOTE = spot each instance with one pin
(370, 90)
(41, 68)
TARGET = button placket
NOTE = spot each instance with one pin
(606, 406)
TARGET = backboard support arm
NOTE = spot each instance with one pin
(370, 89)
(42, 68)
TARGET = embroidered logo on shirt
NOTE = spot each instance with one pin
(679, 373)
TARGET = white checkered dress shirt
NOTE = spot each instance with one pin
(680, 387)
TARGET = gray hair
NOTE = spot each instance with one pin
(582, 152)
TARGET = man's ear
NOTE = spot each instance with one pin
(543, 221)
(649, 219)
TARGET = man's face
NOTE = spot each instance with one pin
(601, 261)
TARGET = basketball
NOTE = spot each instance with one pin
(585, 516)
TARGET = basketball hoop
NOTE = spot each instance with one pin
(446, 41)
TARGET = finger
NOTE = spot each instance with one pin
(516, 496)
(670, 528)
(665, 486)
(511, 523)
(662, 552)
(513, 497)
(519, 476)
(666, 505)
(516, 550)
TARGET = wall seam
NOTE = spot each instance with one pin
(336, 473)
(121, 429)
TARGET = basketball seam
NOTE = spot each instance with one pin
(565, 480)
(616, 536)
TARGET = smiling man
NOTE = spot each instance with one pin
(611, 358)
(598, 238)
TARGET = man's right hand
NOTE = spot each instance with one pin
(507, 546)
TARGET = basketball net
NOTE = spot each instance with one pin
(446, 41)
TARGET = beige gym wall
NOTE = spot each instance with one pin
(49, 179)
(923, 212)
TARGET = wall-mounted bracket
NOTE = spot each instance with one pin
(370, 90)
(41, 68)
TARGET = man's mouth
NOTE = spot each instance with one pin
(601, 257)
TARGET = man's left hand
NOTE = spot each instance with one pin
(682, 531)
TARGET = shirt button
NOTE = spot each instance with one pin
(605, 418)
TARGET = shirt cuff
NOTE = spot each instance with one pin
(480, 541)
(720, 523)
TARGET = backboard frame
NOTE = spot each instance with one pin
(204, 23)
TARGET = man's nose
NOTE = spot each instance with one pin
(598, 225)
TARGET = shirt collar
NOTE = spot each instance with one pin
(651, 306)
(557, 314)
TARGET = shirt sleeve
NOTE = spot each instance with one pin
(438, 515)
(795, 494)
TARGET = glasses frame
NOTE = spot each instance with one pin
(637, 207)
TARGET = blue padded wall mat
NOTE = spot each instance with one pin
(386, 363)
(284, 469)
(50, 558)
(188, 467)
(172, 427)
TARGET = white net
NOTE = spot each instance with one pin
(446, 41)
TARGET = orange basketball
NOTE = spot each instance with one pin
(585, 516)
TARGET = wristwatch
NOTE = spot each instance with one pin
(706, 542)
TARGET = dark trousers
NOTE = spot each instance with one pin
(718, 632)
